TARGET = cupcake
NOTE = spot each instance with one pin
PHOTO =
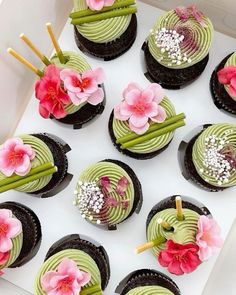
(105, 29)
(147, 282)
(108, 193)
(143, 124)
(75, 264)
(35, 164)
(177, 49)
(182, 234)
(68, 90)
(20, 235)
(223, 85)
(209, 158)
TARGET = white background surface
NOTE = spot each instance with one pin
(160, 177)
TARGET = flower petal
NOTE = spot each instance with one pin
(161, 116)
(138, 121)
(14, 227)
(118, 115)
(96, 97)
(5, 244)
(139, 130)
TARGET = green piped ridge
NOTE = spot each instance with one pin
(121, 128)
(83, 260)
(184, 231)
(198, 46)
(150, 290)
(102, 31)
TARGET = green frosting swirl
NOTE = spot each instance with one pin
(103, 31)
(231, 62)
(184, 231)
(74, 62)
(17, 243)
(196, 44)
(83, 260)
(114, 215)
(222, 131)
(42, 156)
(121, 128)
(150, 290)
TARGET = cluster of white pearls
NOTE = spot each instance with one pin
(169, 41)
(89, 200)
(215, 162)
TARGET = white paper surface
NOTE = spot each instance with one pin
(160, 177)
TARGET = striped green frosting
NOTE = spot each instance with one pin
(121, 128)
(17, 243)
(226, 132)
(196, 44)
(103, 31)
(150, 290)
(74, 62)
(83, 260)
(184, 231)
(117, 214)
(42, 156)
(231, 62)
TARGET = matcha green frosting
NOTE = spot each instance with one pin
(231, 62)
(223, 134)
(114, 215)
(42, 156)
(121, 128)
(150, 290)
(83, 260)
(103, 31)
(196, 43)
(17, 243)
(184, 231)
(74, 62)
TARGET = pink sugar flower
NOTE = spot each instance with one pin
(99, 4)
(227, 76)
(67, 280)
(208, 237)
(9, 228)
(84, 87)
(52, 97)
(15, 157)
(141, 105)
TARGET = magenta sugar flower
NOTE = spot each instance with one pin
(67, 280)
(83, 87)
(227, 76)
(140, 106)
(99, 4)
(15, 157)
(10, 228)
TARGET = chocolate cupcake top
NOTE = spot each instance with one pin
(11, 238)
(183, 237)
(18, 156)
(71, 268)
(214, 155)
(227, 76)
(105, 193)
(102, 31)
(139, 116)
(181, 38)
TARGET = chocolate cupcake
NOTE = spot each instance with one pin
(77, 257)
(147, 282)
(209, 157)
(20, 234)
(35, 164)
(143, 124)
(177, 50)
(105, 29)
(222, 85)
(108, 193)
(182, 234)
